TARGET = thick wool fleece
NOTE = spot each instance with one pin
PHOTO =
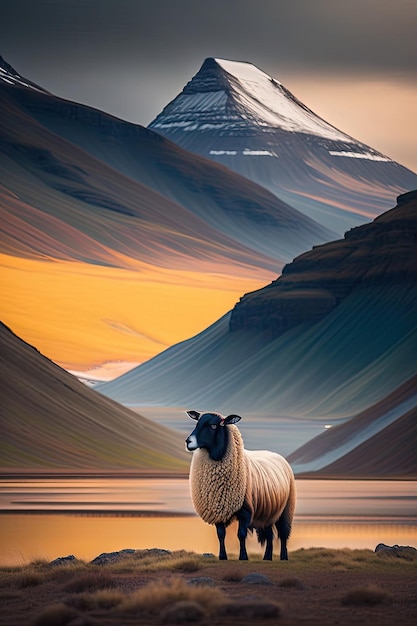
(271, 487)
(218, 488)
(263, 480)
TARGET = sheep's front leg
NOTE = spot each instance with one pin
(244, 517)
(221, 534)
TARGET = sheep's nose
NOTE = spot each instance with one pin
(191, 443)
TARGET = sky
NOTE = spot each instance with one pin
(354, 63)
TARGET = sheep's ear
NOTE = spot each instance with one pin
(232, 419)
(193, 414)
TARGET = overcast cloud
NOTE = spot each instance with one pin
(370, 34)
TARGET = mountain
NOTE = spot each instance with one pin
(378, 442)
(237, 115)
(316, 282)
(50, 420)
(87, 196)
(355, 341)
(9, 75)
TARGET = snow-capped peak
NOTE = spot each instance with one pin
(272, 105)
(226, 95)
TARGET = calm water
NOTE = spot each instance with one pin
(47, 518)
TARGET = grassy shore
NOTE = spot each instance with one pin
(316, 586)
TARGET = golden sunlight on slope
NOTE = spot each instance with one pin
(82, 315)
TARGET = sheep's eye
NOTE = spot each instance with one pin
(214, 426)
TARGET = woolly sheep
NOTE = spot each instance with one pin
(227, 482)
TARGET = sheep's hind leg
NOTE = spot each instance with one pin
(244, 517)
(221, 534)
(284, 529)
(269, 536)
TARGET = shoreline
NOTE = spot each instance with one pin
(11, 474)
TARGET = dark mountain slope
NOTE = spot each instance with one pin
(335, 364)
(381, 253)
(391, 453)
(50, 420)
(335, 368)
(60, 201)
(192, 194)
(379, 441)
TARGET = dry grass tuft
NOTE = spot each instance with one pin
(250, 609)
(188, 564)
(102, 599)
(145, 561)
(339, 560)
(56, 615)
(291, 583)
(11, 595)
(155, 597)
(366, 596)
(233, 576)
(363, 556)
(91, 581)
(28, 579)
(63, 573)
(183, 612)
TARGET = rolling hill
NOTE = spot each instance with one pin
(379, 442)
(52, 421)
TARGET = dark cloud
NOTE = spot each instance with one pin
(380, 33)
(150, 48)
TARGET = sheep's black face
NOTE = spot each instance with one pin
(210, 433)
(205, 434)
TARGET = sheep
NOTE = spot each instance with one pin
(256, 487)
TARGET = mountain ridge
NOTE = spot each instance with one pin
(9, 75)
(318, 280)
(235, 114)
(51, 111)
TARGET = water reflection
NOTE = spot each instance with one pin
(130, 495)
(49, 518)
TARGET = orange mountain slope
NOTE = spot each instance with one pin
(115, 243)
(283, 353)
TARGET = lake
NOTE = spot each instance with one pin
(43, 518)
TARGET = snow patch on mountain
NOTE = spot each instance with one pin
(359, 155)
(272, 105)
(246, 152)
(9, 75)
